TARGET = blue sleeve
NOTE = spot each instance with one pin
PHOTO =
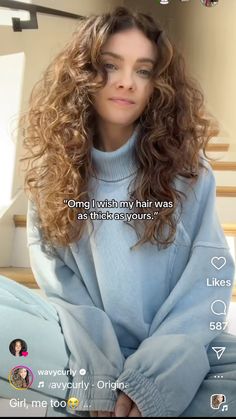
(87, 329)
(165, 372)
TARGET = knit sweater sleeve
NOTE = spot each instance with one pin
(165, 372)
(87, 329)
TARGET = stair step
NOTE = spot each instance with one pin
(23, 276)
(19, 220)
(229, 229)
(226, 191)
(218, 147)
(223, 165)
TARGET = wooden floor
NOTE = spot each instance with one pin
(23, 276)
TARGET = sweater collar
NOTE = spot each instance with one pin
(116, 165)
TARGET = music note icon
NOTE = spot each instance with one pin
(41, 384)
(225, 408)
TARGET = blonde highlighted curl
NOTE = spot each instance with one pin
(58, 131)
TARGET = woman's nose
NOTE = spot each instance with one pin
(126, 80)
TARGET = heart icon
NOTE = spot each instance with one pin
(218, 262)
(25, 353)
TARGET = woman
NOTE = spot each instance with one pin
(20, 378)
(116, 138)
(217, 400)
(17, 346)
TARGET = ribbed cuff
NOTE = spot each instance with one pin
(144, 392)
(93, 393)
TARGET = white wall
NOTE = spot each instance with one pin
(31, 51)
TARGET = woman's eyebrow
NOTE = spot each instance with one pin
(119, 57)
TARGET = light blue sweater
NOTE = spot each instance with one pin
(141, 318)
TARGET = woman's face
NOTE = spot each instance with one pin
(220, 398)
(128, 58)
(23, 372)
(18, 346)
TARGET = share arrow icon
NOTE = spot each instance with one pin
(219, 350)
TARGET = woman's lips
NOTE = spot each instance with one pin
(121, 102)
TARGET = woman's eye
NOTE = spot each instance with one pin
(108, 64)
(145, 73)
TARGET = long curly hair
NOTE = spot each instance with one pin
(58, 131)
(17, 380)
(215, 401)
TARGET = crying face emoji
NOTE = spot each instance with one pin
(72, 403)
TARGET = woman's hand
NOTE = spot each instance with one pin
(124, 407)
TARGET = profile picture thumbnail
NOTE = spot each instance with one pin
(209, 3)
(217, 400)
(21, 377)
(18, 347)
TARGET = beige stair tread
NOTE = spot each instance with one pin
(223, 165)
(226, 191)
(19, 220)
(23, 276)
(217, 147)
(229, 229)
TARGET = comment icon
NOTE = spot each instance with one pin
(218, 307)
